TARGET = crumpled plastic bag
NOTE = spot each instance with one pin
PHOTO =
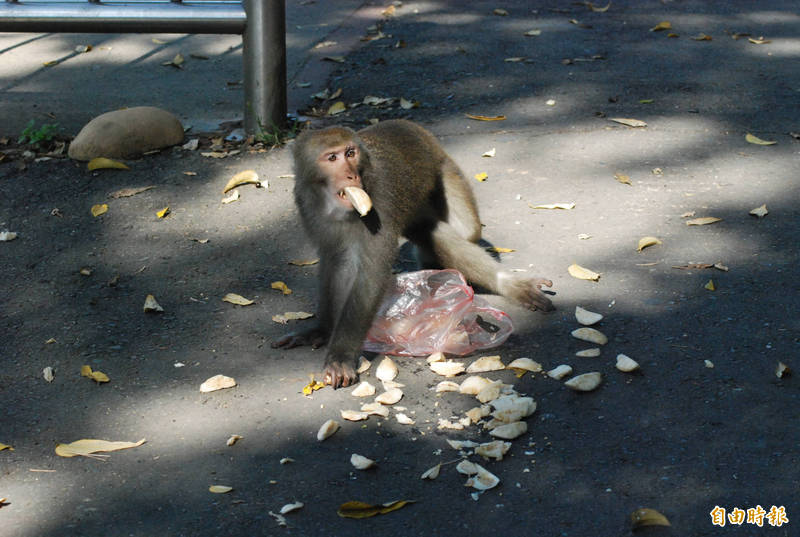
(435, 310)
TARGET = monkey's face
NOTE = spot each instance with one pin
(340, 165)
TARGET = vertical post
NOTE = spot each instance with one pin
(264, 54)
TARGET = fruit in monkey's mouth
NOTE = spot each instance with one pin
(358, 198)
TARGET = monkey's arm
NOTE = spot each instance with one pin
(364, 279)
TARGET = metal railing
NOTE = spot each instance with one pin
(262, 24)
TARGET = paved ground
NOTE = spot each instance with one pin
(679, 437)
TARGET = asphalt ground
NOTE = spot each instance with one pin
(706, 422)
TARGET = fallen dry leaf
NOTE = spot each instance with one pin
(337, 108)
(635, 123)
(282, 287)
(644, 242)
(701, 37)
(710, 286)
(97, 210)
(703, 221)
(220, 489)
(532, 33)
(431, 473)
(97, 376)
(6, 446)
(284, 318)
(246, 177)
(760, 212)
(486, 118)
(624, 179)
(757, 141)
(564, 206)
(663, 25)
(239, 300)
(312, 386)
(358, 509)
(481, 176)
(128, 192)
(103, 163)
(577, 271)
(151, 306)
(233, 439)
(500, 250)
(88, 447)
(648, 517)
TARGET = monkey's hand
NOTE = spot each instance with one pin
(526, 291)
(316, 337)
(339, 373)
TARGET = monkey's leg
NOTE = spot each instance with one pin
(479, 268)
(462, 211)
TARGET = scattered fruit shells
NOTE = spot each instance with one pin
(289, 507)
(760, 212)
(589, 353)
(363, 365)
(477, 413)
(47, 372)
(327, 429)
(466, 467)
(435, 357)
(359, 199)
(511, 408)
(626, 364)
(586, 317)
(462, 444)
(527, 364)
(483, 479)
(782, 370)
(559, 372)
(361, 462)
(233, 439)
(582, 273)
(217, 382)
(386, 370)
(375, 409)
(510, 431)
(644, 242)
(486, 363)
(648, 517)
(242, 178)
(490, 392)
(151, 306)
(447, 386)
(354, 415)
(586, 382)
(364, 389)
(447, 369)
(219, 489)
(493, 450)
(431, 473)
(390, 397)
(473, 385)
(591, 335)
(402, 419)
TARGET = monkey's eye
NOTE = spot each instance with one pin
(332, 157)
(350, 152)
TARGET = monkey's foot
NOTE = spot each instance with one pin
(527, 291)
(316, 337)
(339, 374)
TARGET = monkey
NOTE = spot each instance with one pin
(418, 193)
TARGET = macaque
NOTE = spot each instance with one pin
(400, 178)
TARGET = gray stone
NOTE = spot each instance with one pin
(126, 133)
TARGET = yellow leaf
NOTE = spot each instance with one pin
(672, 35)
(337, 108)
(86, 371)
(6, 446)
(500, 250)
(97, 210)
(702, 37)
(577, 271)
(239, 300)
(51, 63)
(644, 242)
(710, 286)
(163, 212)
(646, 101)
(219, 489)
(648, 517)
(303, 262)
(87, 447)
(564, 206)
(664, 25)
(312, 386)
(760, 212)
(624, 179)
(702, 221)
(284, 318)
(96, 376)
(246, 177)
(636, 123)
(357, 509)
(282, 287)
(486, 118)
(757, 141)
(102, 163)
(481, 176)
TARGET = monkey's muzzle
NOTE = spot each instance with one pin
(359, 199)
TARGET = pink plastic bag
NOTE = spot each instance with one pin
(435, 310)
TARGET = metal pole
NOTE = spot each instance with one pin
(264, 54)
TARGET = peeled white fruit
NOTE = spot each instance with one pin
(586, 317)
(462, 444)
(435, 357)
(390, 397)
(364, 389)
(493, 450)
(479, 412)
(467, 468)
(525, 363)
(386, 370)
(361, 462)
(626, 364)
(589, 353)
(359, 199)
(490, 392)
(376, 409)
(447, 369)
(510, 431)
(447, 386)
(486, 363)
(353, 415)
(511, 408)
(327, 429)
(474, 384)
(586, 382)
(403, 419)
(591, 335)
(483, 479)
(559, 372)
